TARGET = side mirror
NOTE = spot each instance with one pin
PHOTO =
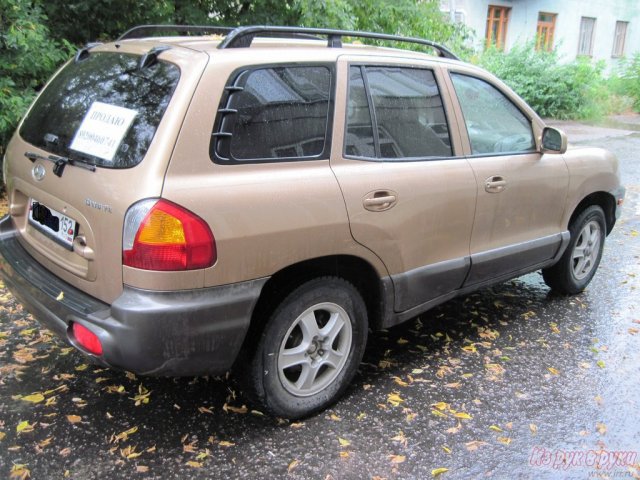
(553, 140)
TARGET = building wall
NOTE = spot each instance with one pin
(523, 20)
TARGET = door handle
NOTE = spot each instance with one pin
(495, 184)
(379, 200)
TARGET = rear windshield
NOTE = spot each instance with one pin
(103, 110)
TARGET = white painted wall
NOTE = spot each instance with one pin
(523, 22)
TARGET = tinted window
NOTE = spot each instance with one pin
(103, 82)
(275, 113)
(494, 124)
(359, 140)
(408, 112)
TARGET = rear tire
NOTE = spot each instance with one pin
(579, 263)
(309, 350)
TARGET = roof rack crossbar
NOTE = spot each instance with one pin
(142, 31)
(243, 36)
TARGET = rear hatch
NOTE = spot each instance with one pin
(97, 140)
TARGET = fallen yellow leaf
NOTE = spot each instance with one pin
(33, 398)
(74, 418)
(194, 464)
(24, 427)
(504, 440)
(123, 436)
(438, 471)
(495, 428)
(293, 465)
(20, 472)
(441, 406)
(400, 382)
(554, 371)
(60, 296)
(533, 427)
(344, 454)
(225, 443)
(395, 399)
(344, 442)
(462, 415)
(203, 455)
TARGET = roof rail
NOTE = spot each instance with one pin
(243, 36)
(142, 31)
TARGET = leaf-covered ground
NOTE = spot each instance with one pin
(483, 386)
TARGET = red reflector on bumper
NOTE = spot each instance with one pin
(87, 339)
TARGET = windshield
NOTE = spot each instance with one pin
(103, 110)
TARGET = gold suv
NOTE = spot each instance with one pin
(259, 198)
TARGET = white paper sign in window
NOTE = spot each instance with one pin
(102, 130)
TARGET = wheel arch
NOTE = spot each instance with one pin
(604, 200)
(353, 269)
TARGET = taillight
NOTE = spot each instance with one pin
(160, 235)
(87, 339)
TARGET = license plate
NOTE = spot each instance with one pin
(52, 223)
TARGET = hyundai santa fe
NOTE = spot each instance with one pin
(190, 200)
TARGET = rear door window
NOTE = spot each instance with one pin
(103, 110)
(275, 113)
(406, 108)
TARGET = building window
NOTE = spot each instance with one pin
(619, 39)
(497, 21)
(546, 29)
(585, 42)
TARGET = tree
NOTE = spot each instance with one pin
(28, 57)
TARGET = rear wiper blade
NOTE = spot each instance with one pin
(60, 162)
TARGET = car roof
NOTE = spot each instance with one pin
(280, 49)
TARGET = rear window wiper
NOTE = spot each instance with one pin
(60, 162)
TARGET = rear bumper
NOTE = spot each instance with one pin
(191, 332)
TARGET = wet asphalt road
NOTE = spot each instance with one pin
(493, 385)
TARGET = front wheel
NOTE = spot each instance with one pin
(579, 263)
(310, 349)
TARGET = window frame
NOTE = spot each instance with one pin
(465, 131)
(582, 36)
(503, 26)
(217, 135)
(374, 123)
(619, 45)
(549, 36)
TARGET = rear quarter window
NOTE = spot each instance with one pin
(274, 113)
(102, 83)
